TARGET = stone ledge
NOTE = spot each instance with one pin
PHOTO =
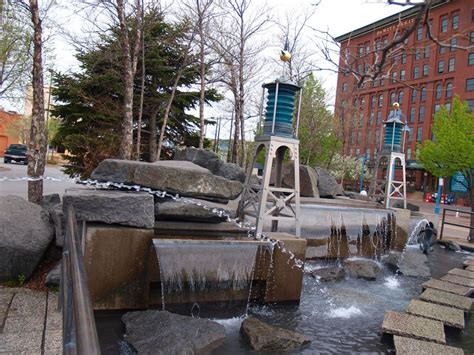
(447, 299)
(408, 346)
(412, 326)
(462, 273)
(450, 316)
(448, 287)
(458, 280)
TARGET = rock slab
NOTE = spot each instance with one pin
(265, 337)
(329, 274)
(448, 287)
(414, 327)
(181, 211)
(447, 299)
(408, 346)
(327, 184)
(308, 180)
(366, 269)
(458, 280)
(162, 332)
(134, 209)
(25, 234)
(414, 263)
(212, 162)
(176, 177)
(450, 316)
(463, 273)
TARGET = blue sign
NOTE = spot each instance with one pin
(459, 183)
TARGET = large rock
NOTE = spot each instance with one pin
(265, 337)
(329, 274)
(327, 184)
(162, 332)
(57, 217)
(211, 161)
(181, 211)
(308, 180)
(414, 263)
(177, 177)
(362, 268)
(111, 206)
(25, 233)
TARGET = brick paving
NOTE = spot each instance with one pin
(29, 322)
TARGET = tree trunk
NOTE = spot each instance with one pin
(235, 143)
(471, 190)
(37, 142)
(142, 86)
(242, 93)
(152, 139)
(202, 89)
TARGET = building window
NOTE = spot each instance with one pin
(470, 59)
(451, 64)
(378, 44)
(344, 87)
(416, 72)
(470, 84)
(423, 94)
(455, 22)
(419, 134)
(373, 101)
(402, 74)
(367, 48)
(470, 105)
(392, 98)
(442, 49)
(425, 69)
(437, 107)
(411, 118)
(427, 52)
(385, 40)
(408, 153)
(417, 53)
(379, 117)
(410, 135)
(394, 76)
(444, 24)
(414, 93)
(380, 100)
(471, 36)
(360, 51)
(382, 81)
(449, 90)
(453, 44)
(421, 114)
(448, 106)
(419, 33)
(400, 97)
(371, 118)
(404, 55)
(439, 89)
(441, 66)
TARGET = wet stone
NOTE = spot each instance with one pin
(412, 326)
(470, 268)
(463, 273)
(468, 262)
(448, 287)
(450, 316)
(458, 280)
(412, 346)
(448, 299)
(29, 342)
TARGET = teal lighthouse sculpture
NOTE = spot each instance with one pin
(264, 198)
(391, 156)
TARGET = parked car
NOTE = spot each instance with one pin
(16, 153)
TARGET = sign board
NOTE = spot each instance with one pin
(459, 183)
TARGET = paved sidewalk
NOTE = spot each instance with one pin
(29, 322)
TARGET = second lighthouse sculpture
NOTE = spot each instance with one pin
(264, 197)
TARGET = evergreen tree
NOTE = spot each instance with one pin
(90, 101)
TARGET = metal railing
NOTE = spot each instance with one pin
(456, 215)
(79, 330)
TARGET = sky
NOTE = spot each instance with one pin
(335, 16)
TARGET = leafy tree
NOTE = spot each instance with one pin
(452, 147)
(90, 101)
(318, 141)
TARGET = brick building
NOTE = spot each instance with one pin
(419, 74)
(6, 136)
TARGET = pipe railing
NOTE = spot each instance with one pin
(443, 220)
(79, 329)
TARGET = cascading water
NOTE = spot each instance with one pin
(415, 228)
(193, 265)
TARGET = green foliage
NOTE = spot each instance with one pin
(90, 101)
(21, 278)
(318, 140)
(345, 166)
(452, 148)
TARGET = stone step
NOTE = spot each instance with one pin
(458, 280)
(450, 316)
(408, 346)
(413, 327)
(468, 262)
(447, 299)
(461, 272)
(448, 287)
(470, 268)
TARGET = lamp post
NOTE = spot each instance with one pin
(438, 196)
(362, 172)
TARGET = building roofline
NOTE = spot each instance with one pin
(386, 21)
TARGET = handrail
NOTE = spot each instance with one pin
(443, 220)
(79, 329)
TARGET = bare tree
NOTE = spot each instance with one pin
(142, 84)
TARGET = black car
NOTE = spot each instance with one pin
(16, 153)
